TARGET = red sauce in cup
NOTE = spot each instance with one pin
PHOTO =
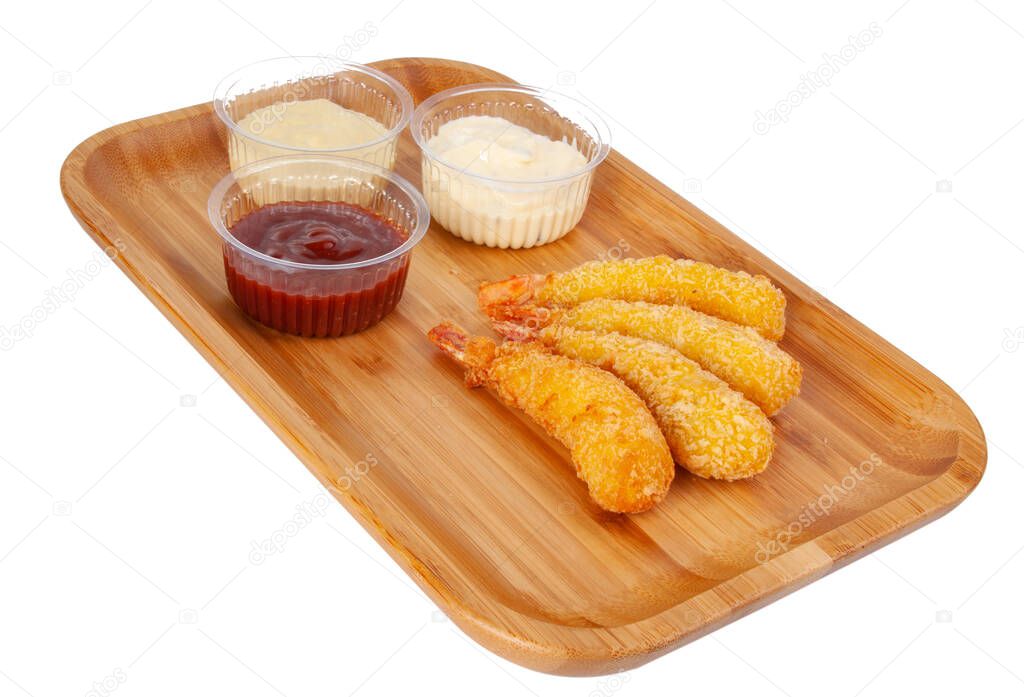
(310, 301)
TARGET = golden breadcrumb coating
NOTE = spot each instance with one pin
(712, 430)
(613, 440)
(749, 363)
(732, 295)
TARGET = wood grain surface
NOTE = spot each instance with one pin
(480, 508)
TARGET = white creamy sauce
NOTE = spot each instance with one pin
(490, 191)
(312, 123)
(494, 147)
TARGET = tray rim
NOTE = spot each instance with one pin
(666, 630)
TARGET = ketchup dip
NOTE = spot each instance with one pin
(316, 263)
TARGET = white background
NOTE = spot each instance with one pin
(128, 516)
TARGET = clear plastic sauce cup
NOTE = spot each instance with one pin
(272, 86)
(322, 299)
(509, 213)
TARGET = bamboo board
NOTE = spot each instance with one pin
(480, 508)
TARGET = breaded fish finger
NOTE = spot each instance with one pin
(749, 363)
(732, 295)
(712, 430)
(614, 441)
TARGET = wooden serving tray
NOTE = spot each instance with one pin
(479, 507)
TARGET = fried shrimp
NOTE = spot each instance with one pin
(712, 430)
(732, 295)
(614, 441)
(749, 363)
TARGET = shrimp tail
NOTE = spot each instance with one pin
(533, 317)
(451, 339)
(474, 354)
(515, 290)
(514, 331)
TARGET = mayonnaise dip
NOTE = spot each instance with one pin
(496, 183)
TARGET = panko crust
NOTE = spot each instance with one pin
(736, 296)
(712, 430)
(614, 441)
(749, 363)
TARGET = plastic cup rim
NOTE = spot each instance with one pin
(232, 79)
(601, 134)
(221, 188)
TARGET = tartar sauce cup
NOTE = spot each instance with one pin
(509, 213)
(317, 299)
(275, 84)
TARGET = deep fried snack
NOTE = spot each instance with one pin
(614, 441)
(712, 430)
(749, 363)
(732, 295)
